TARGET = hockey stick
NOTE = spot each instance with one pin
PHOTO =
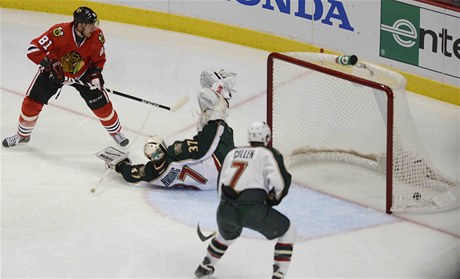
(176, 107)
(202, 236)
(93, 189)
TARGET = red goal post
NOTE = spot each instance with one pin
(319, 109)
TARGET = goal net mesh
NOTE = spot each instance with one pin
(333, 115)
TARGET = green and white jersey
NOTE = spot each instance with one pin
(255, 168)
(190, 163)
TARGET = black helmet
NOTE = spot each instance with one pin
(84, 15)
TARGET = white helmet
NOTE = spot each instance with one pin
(259, 132)
(155, 148)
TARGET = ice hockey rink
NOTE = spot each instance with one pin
(52, 226)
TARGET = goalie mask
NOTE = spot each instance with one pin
(155, 148)
(259, 132)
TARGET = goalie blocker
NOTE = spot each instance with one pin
(112, 156)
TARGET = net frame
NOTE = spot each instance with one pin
(399, 84)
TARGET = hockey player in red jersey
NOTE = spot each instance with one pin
(75, 50)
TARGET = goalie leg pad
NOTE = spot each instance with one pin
(207, 99)
(202, 121)
(219, 111)
(213, 105)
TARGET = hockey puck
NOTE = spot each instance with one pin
(353, 59)
(93, 190)
(346, 59)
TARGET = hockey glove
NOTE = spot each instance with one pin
(271, 199)
(94, 77)
(53, 68)
(118, 166)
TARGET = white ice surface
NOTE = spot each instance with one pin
(53, 227)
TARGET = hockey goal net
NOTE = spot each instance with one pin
(321, 110)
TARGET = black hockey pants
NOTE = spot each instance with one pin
(249, 210)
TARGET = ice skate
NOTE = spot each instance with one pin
(277, 274)
(204, 269)
(15, 140)
(120, 139)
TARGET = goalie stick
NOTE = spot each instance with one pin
(93, 189)
(202, 236)
(176, 107)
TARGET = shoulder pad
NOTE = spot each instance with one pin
(100, 36)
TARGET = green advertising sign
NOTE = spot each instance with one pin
(399, 32)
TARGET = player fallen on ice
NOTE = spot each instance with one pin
(251, 181)
(74, 50)
(191, 163)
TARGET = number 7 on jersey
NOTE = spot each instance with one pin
(240, 166)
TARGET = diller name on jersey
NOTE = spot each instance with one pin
(59, 43)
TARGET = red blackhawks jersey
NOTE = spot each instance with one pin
(60, 43)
